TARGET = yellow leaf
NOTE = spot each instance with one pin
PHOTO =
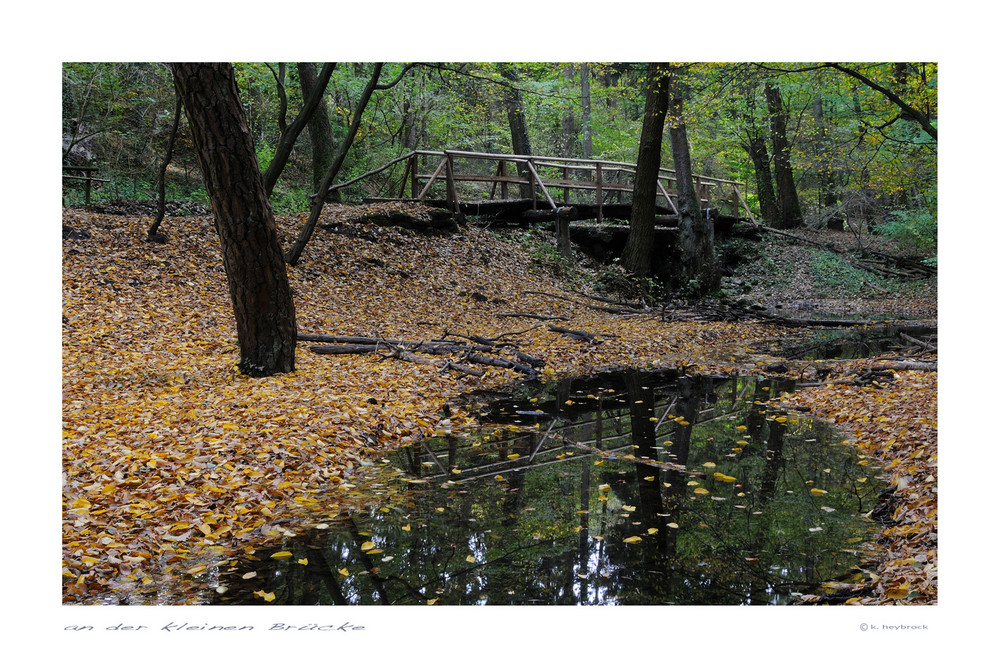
(722, 477)
(672, 525)
(367, 545)
(344, 572)
(513, 455)
(652, 530)
(471, 559)
(709, 465)
(406, 527)
(284, 554)
(633, 539)
(628, 509)
(251, 574)
(304, 561)
(817, 492)
(742, 427)
(700, 490)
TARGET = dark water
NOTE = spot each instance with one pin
(625, 489)
(858, 343)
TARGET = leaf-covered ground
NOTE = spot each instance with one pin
(173, 461)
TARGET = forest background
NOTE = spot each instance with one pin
(32, 177)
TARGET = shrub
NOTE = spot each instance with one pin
(914, 231)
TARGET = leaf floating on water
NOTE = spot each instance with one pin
(700, 490)
(632, 539)
(251, 574)
(673, 525)
(722, 477)
(628, 509)
(652, 530)
(367, 545)
(817, 492)
(471, 559)
(709, 465)
(343, 571)
(284, 554)
(304, 561)
(406, 527)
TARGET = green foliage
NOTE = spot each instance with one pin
(835, 277)
(915, 231)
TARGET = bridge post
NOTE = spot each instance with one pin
(600, 194)
(450, 183)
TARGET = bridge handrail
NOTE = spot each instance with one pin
(531, 161)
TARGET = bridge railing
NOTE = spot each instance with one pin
(542, 179)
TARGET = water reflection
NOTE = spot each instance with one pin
(625, 489)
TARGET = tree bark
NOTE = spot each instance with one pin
(251, 253)
(788, 197)
(520, 142)
(587, 139)
(161, 200)
(307, 230)
(757, 150)
(320, 134)
(637, 256)
(697, 237)
(290, 133)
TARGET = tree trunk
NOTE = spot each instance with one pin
(290, 133)
(520, 143)
(637, 255)
(258, 284)
(697, 238)
(757, 150)
(307, 230)
(788, 197)
(320, 134)
(587, 139)
(161, 200)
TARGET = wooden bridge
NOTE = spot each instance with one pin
(480, 183)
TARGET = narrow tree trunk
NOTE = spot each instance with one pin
(290, 133)
(520, 142)
(587, 139)
(757, 150)
(251, 254)
(637, 257)
(320, 134)
(161, 200)
(788, 197)
(307, 230)
(697, 238)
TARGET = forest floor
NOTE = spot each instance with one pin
(170, 454)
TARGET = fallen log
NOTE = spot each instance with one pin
(532, 316)
(581, 335)
(407, 351)
(907, 366)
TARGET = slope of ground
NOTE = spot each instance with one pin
(173, 461)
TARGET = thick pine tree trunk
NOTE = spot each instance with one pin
(637, 257)
(251, 253)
